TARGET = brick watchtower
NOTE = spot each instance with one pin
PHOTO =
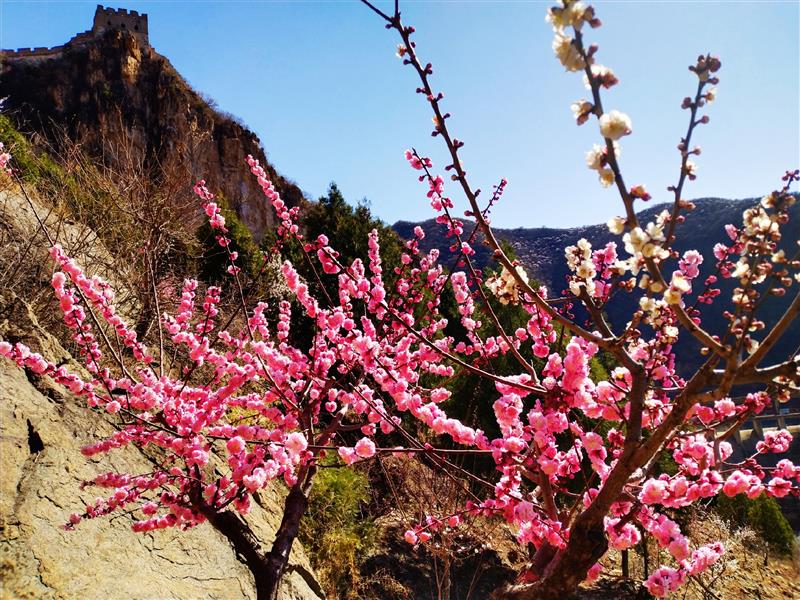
(121, 20)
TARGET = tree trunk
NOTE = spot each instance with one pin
(267, 567)
(587, 544)
(278, 558)
(587, 541)
(625, 570)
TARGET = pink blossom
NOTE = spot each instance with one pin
(365, 448)
(737, 483)
(664, 581)
(296, 443)
(654, 491)
(775, 441)
(594, 572)
(236, 445)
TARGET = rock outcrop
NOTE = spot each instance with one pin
(109, 89)
(42, 429)
(41, 432)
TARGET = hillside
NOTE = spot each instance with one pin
(108, 89)
(42, 430)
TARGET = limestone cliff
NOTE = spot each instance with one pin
(42, 429)
(109, 88)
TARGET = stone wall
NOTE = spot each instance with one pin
(121, 20)
(105, 19)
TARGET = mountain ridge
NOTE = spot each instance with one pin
(595, 233)
(541, 252)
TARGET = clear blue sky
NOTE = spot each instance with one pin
(319, 83)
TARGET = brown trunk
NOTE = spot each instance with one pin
(625, 569)
(587, 544)
(278, 558)
(543, 557)
(267, 567)
(587, 541)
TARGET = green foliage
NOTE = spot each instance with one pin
(597, 368)
(31, 164)
(666, 464)
(763, 515)
(347, 228)
(335, 530)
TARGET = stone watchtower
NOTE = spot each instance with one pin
(121, 20)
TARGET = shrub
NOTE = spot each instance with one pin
(763, 515)
(335, 529)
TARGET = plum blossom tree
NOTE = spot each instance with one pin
(228, 403)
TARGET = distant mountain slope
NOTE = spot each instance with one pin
(541, 250)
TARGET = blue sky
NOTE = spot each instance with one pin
(321, 86)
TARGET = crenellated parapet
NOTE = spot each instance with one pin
(32, 52)
(105, 19)
(120, 19)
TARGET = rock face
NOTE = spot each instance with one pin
(109, 89)
(42, 429)
(41, 432)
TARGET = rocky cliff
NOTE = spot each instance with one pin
(41, 433)
(112, 90)
(42, 429)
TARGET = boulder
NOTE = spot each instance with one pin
(42, 429)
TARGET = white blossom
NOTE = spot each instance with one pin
(606, 177)
(567, 53)
(614, 125)
(573, 14)
(616, 225)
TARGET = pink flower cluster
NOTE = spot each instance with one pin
(5, 158)
(666, 580)
(287, 216)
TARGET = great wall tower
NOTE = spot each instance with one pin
(105, 19)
